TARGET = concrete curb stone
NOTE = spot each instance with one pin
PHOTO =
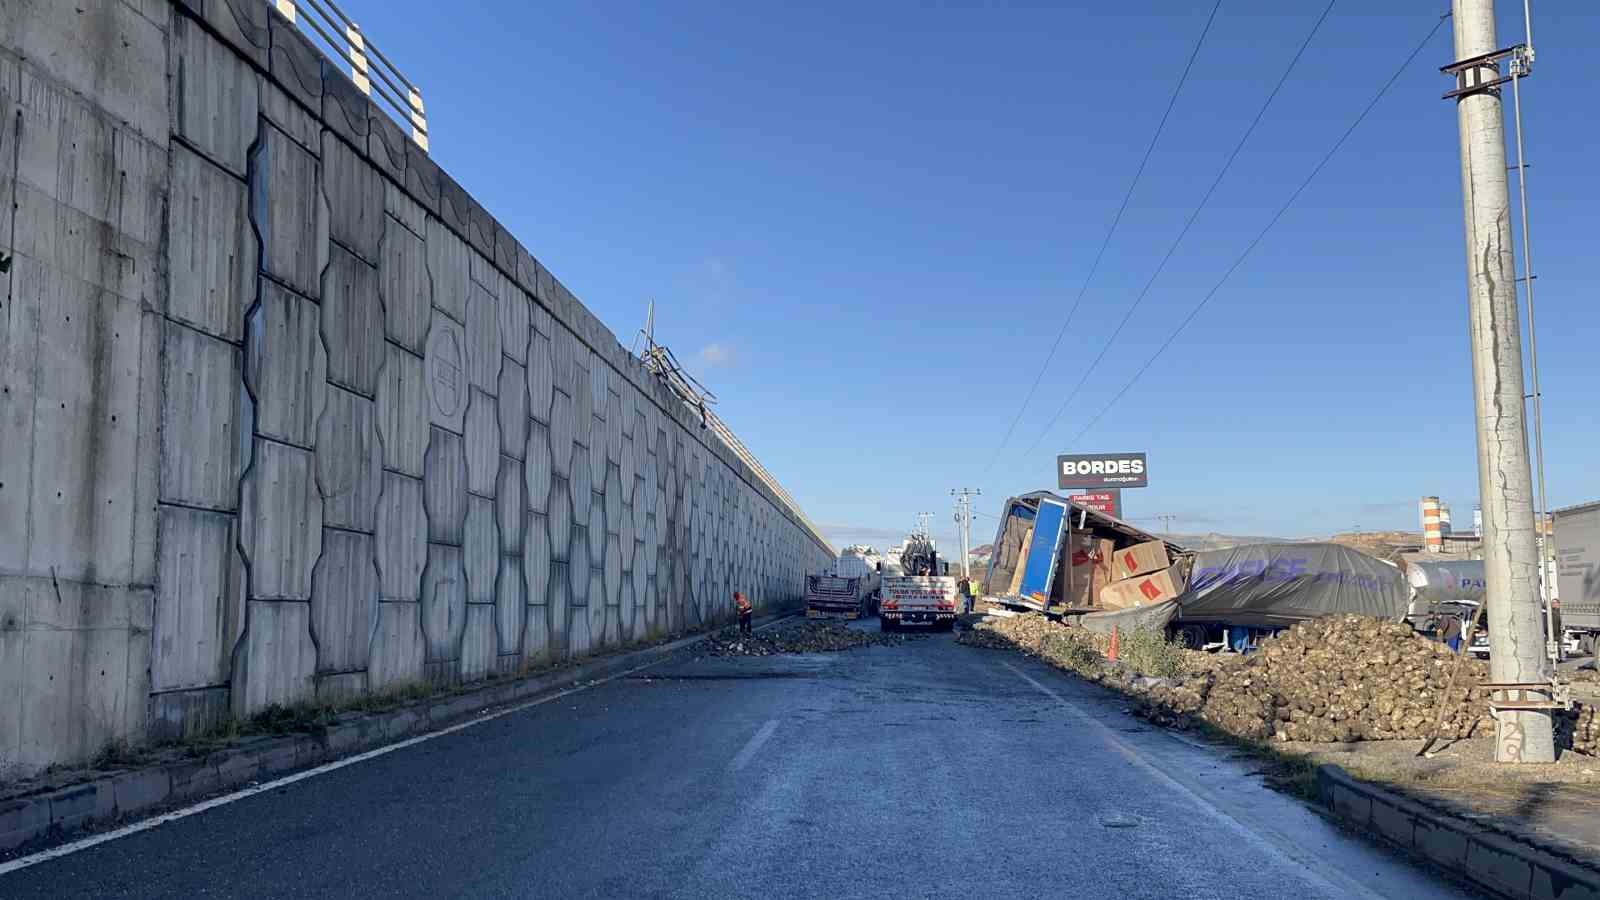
(1499, 864)
(116, 795)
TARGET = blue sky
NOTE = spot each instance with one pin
(864, 223)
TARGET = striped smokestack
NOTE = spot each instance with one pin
(1432, 533)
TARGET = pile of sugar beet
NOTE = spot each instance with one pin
(1341, 678)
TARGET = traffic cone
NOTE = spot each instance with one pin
(1111, 653)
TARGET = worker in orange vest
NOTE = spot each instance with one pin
(745, 612)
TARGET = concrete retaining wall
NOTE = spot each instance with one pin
(288, 416)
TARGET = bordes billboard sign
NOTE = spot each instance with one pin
(1101, 470)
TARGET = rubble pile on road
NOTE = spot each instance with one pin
(796, 637)
(1341, 678)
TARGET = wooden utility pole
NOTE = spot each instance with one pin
(1505, 483)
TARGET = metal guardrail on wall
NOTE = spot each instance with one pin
(372, 72)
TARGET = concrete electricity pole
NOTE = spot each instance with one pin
(1505, 482)
(964, 524)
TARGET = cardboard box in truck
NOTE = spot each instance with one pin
(1142, 590)
(1139, 559)
(1090, 560)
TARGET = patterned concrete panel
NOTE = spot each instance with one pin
(344, 107)
(448, 266)
(296, 63)
(386, 144)
(479, 642)
(602, 616)
(510, 603)
(284, 197)
(344, 600)
(403, 408)
(349, 461)
(560, 611)
(211, 251)
(445, 487)
(213, 95)
(354, 193)
(541, 380)
(276, 658)
(402, 208)
(422, 177)
(514, 318)
(536, 637)
(611, 575)
(562, 446)
(580, 489)
(352, 322)
(579, 642)
(402, 537)
(564, 350)
(481, 550)
(405, 286)
(285, 365)
(628, 615)
(613, 499)
(444, 603)
(597, 529)
(536, 559)
(578, 566)
(200, 459)
(296, 123)
(614, 428)
(510, 505)
(482, 439)
(280, 522)
(198, 613)
(513, 409)
(560, 513)
(643, 501)
(398, 647)
(536, 468)
(483, 339)
(454, 204)
(446, 373)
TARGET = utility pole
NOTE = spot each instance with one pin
(1166, 521)
(1505, 481)
(964, 524)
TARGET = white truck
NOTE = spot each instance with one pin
(846, 590)
(917, 601)
(1578, 573)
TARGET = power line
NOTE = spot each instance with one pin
(1249, 248)
(1187, 225)
(1115, 221)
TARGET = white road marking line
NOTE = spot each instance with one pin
(147, 824)
(754, 744)
(1349, 887)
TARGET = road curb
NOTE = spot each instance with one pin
(122, 794)
(1488, 859)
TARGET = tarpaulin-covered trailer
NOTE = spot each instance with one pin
(1241, 594)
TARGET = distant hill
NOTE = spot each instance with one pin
(1213, 540)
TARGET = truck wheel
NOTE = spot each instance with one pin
(1193, 636)
(885, 624)
(1586, 644)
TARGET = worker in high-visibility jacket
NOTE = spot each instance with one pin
(745, 611)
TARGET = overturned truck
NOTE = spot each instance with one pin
(1056, 557)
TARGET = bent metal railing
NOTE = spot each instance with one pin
(373, 73)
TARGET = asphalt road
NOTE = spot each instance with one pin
(929, 769)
